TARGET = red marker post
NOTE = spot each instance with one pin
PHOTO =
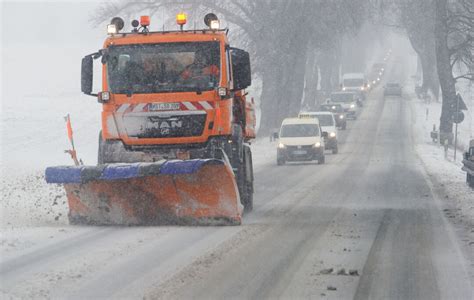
(71, 152)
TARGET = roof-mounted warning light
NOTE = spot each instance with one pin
(116, 24)
(212, 21)
(181, 19)
(145, 21)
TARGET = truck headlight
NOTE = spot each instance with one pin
(317, 145)
(281, 146)
(353, 106)
(341, 117)
(332, 134)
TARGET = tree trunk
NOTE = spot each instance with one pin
(445, 72)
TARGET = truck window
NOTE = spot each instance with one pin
(299, 130)
(164, 67)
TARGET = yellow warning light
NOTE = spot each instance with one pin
(181, 19)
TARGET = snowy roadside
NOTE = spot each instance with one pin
(449, 181)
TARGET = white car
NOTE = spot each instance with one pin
(327, 122)
(348, 100)
(300, 139)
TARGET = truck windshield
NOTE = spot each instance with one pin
(164, 67)
(345, 98)
(299, 130)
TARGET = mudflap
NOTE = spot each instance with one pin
(189, 192)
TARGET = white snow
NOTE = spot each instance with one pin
(444, 171)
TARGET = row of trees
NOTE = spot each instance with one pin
(442, 34)
(292, 42)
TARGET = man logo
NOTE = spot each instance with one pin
(165, 127)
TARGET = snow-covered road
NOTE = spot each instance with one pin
(367, 224)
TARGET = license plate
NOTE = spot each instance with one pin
(163, 106)
(299, 152)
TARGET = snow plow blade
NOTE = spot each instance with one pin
(189, 192)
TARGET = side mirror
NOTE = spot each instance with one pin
(87, 71)
(276, 135)
(241, 72)
(325, 134)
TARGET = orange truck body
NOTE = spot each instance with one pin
(219, 111)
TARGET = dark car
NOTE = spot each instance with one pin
(468, 164)
(338, 112)
(392, 89)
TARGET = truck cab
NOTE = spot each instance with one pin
(355, 82)
(165, 93)
(300, 139)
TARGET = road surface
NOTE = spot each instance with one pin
(369, 210)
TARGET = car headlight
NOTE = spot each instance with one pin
(353, 106)
(317, 145)
(343, 88)
(281, 146)
(341, 117)
(332, 134)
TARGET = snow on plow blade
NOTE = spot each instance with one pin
(197, 191)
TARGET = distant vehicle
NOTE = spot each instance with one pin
(300, 139)
(468, 164)
(327, 123)
(338, 112)
(392, 89)
(348, 100)
(354, 82)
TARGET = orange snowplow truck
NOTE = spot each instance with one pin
(176, 126)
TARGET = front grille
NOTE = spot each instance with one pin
(174, 126)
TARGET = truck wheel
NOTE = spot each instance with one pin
(344, 126)
(335, 150)
(237, 144)
(280, 161)
(245, 180)
(322, 160)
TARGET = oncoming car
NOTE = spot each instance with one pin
(328, 125)
(300, 139)
(338, 113)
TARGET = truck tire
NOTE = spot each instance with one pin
(248, 187)
(335, 150)
(237, 145)
(344, 126)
